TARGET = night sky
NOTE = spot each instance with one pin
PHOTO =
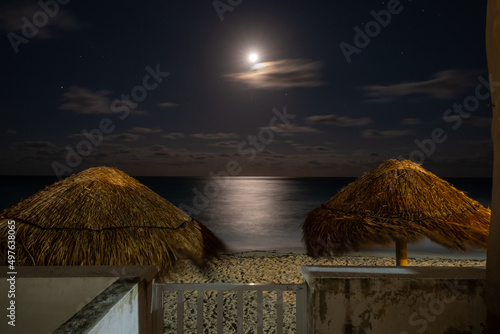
(167, 87)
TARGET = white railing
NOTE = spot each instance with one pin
(238, 289)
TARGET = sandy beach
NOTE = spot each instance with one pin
(262, 267)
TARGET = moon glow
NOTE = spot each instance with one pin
(253, 57)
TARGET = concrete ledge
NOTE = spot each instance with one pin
(369, 300)
(146, 272)
(83, 299)
(95, 317)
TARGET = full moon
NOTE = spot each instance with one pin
(253, 57)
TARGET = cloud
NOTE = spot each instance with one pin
(174, 135)
(38, 150)
(273, 154)
(313, 148)
(144, 130)
(339, 120)
(289, 129)
(219, 135)
(443, 85)
(11, 19)
(279, 74)
(126, 137)
(11, 132)
(157, 147)
(365, 154)
(200, 156)
(84, 101)
(159, 150)
(372, 133)
(167, 104)
(229, 143)
(322, 164)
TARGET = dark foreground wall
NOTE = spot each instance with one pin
(386, 300)
(493, 262)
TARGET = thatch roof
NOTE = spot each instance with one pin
(102, 216)
(398, 201)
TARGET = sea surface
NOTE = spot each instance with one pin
(258, 213)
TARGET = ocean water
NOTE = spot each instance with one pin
(258, 213)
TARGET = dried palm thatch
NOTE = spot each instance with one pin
(102, 216)
(400, 202)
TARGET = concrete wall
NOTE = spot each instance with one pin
(83, 299)
(114, 311)
(122, 317)
(386, 300)
(43, 304)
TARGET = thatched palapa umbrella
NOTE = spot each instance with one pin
(102, 216)
(400, 202)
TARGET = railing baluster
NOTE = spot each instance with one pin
(199, 314)
(300, 298)
(301, 309)
(157, 308)
(220, 309)
(240, 311)
(260, 313)
(180, 312)
(279, 311)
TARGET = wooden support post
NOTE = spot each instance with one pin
(401, 253)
